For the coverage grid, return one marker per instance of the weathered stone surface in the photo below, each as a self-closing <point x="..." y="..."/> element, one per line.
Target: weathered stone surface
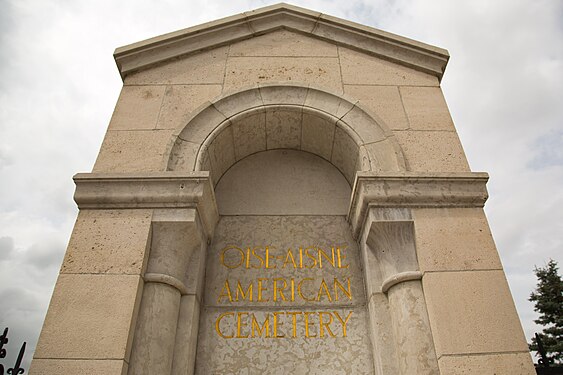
<point x="413" y="336"/>
<point x="286" y="355"/>
<point x="363" y="125"/>
<point x="137" y="108"/>
<point x="283" y="94"/>
<point x="337" y="31"/>
<point x="384" y="101"/>
<point x="76" y="366"/>
<point x="175" y="241"/>
<point x="382" y="337"/>
<point x="249" y="134"/>
<point x="426" y="108"/>
<point x="155" y="333"/>
<point x="472" y="312"/>
<point x="180" y="101"/>
<point x="90" y="316"/>
<point x="283" y="43"/>
<point x="109" y="241"/>
<point x="283" y="128"/>
<point x="236" y="101"/>
<point x="222" y="152"/>
<point x="361" y="69"/>
<point x="247" y="71"/>
<point x="345" y="154"/>
<point x="281" y="233"/>
<point x="205" y="120"/>
<point x="183" y="156"/>
<point x="340" y="352"/>
<point x="337" y="106"/>
<point x="186" y="336"/>
<point x="283" y="182"/>
<point x="392" y="244"/>
<point x="384" y="157"/>
<point x="408" y="189"/>
<point x="451" y="239"/>
<point x="133" y="151"/>
<point x="205" y="67"/>
<point x="497" y="363"/>
<point x="432" y="151"/>
<point x="317" y="135"/>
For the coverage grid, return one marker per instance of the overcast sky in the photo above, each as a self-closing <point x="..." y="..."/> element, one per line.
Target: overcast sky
<point x="59" y="85"/>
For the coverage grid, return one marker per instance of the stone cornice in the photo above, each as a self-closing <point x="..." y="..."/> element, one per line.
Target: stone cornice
<point x="404" y="51"/>
<point x="414" y="189"/>
<point x="149" y="190"/>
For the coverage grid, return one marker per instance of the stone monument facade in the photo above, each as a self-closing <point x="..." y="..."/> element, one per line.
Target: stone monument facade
<point x="281" y="192"/>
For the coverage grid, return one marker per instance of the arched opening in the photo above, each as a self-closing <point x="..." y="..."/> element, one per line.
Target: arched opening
<point x="285" y="117"/>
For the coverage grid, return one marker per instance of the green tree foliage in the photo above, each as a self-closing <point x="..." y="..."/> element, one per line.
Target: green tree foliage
<point x="548" y="300"/>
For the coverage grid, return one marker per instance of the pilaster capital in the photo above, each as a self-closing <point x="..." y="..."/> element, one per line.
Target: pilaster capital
<point x="414" y="189"/>
<point x="156" y="190"/>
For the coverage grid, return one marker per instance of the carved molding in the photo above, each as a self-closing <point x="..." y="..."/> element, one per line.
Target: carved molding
<point x="414" y="189"/>
<point x="404" y="51"/>
<point x="166" y="279"/>
<point x="149" y="190"/>
<point x="399" y="278"/>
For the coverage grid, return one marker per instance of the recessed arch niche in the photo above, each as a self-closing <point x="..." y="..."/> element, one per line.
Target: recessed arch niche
<point x="283" y="182"/>
<point x="333" y="127"/>
<point x="283" y="160"/>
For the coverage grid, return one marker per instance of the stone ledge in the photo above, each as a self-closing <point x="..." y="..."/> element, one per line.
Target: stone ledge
<point x="149" y="190"/>
<point x="400" y="278"/>
<point x="414" y="189"/>
<point x="407" y="52"/>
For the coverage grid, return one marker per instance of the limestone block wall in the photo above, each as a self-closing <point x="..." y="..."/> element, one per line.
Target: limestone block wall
<point x="407" y="158"/>
<point x="156" y="103"/>
<point x="474" y="321"/>
<point x="90" y="323"/>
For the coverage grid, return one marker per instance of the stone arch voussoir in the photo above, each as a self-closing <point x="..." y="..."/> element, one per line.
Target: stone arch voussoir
<point x="262" y="118"/>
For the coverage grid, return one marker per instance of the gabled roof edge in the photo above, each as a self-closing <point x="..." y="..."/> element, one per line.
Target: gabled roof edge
<point x="408" y="52"/>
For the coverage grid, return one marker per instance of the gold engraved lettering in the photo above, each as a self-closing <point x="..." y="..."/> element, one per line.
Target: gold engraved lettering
<point x="299" y="290"/>
<point x="292" y="287"/>
<point x="337" y="286"/>
<point x="340" y="257"/>
<point x="306" y="320"/>
<point x="268" y="264"/>
<point x="294" y="321"/>
<point x="265" y="328"/>
<point x="240" y="324"/>
<point x="226" y="292"/>
<point x="261" y="289"/>
<point x="321" y="254"/>
<point x="280" y="290"/>
<point x="231" y="266"/>
<point x="311" y="256"/>
<point x="324" y="288"/>
<point x="276" y="324"/>
<point x="323" y="325"/>
<point x="289" y="257"/>
<point x="257" y="257"/>
<point x="241" y="292"/>
<point x="343" y="322"/>
<point x="218" y="325"/>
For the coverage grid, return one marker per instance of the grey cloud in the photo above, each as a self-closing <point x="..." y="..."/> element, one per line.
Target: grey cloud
<point x="549" y="150"/>
<point x="45" y="254"/>
<point x="20" y="315"/>
<point x="6" y="247"/>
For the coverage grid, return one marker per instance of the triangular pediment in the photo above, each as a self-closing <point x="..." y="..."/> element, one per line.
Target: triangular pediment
<point x="247" y="25"/>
